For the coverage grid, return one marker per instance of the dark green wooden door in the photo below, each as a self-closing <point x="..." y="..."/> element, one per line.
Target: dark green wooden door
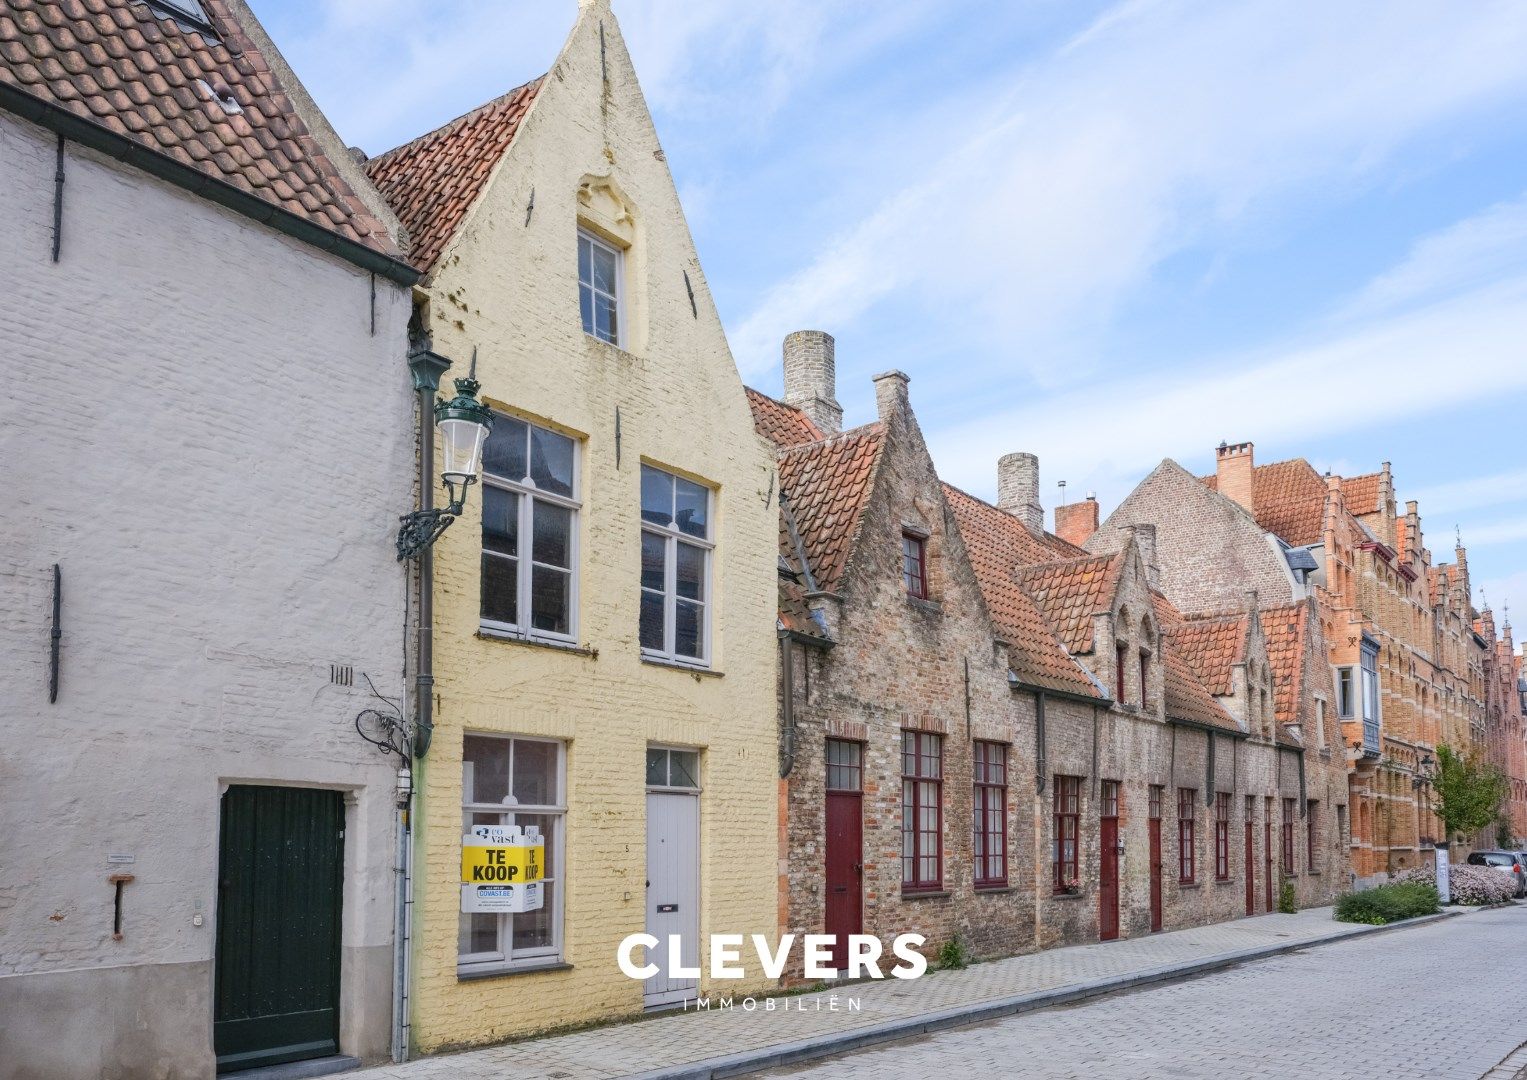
<point x="279" y="890"/>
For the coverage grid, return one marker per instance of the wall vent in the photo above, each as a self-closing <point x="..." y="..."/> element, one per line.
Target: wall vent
<point x="341" y="674"/>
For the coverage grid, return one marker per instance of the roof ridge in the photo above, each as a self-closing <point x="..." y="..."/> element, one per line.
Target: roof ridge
<point x="474" y="111"/>
<point x="872" y="428"/>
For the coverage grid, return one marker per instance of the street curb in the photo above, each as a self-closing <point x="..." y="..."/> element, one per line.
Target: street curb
<point x="767" y="1057"/>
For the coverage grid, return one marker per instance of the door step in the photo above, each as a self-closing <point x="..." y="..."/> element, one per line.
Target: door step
<point x="298" y="1070"/>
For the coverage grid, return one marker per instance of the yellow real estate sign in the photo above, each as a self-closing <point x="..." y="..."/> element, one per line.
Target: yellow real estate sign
<point x="484" y="864"/>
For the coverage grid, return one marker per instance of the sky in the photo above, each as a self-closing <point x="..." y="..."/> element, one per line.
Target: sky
<point x="1105" y="233"/>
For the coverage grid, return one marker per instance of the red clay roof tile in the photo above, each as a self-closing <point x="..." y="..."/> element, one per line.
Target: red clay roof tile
<point x="432" y="181"/>
<point x="827" y="484"/>
<point x="1070" y="593"/>
<point x="783" y="425"/>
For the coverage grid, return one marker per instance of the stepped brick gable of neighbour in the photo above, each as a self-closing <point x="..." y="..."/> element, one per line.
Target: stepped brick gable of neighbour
<point x="609" y="604"/>
<point x="206" y="99"/>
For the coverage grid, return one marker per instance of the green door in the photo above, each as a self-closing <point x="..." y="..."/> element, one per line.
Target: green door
<point x="279" y="887"/>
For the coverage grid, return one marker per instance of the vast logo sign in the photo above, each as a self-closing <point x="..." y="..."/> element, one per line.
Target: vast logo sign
<point x="864" y="952"/>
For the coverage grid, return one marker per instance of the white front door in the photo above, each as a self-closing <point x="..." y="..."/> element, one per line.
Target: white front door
<point x="673" y="891"/>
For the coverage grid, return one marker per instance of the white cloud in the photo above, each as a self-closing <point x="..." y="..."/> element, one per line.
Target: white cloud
<point x="1161" y="125"/>
<point x="1471" y="494"/>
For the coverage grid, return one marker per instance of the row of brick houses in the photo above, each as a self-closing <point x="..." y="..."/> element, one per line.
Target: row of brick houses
<point x="995" y="734"/>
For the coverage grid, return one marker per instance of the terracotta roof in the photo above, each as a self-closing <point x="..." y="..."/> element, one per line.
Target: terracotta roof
<point x="1070" y="593"/>
<point x="1186" y="697"/>
<point x="1284" y="629"/>
<point x="783" y="425"/>
<point x="998" y="544"/>
<point x="794" y="611"/>
<point x="117" y="66"/>
<point x="827" y="484"/>
<point x="1361" y="493"/>
<point x="1290" y="498"/>
<point x="1019" y="543"/>
<point x="432" y="182"/>
<point x="1211" y="646"/>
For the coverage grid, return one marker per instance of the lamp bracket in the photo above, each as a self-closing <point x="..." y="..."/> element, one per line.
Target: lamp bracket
<point x="420" y="529"/>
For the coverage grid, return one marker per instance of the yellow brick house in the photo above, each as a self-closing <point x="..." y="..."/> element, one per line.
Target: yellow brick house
<point x="604" y="626"/>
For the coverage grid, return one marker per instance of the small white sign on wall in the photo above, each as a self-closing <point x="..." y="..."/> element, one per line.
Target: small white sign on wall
<point x="509" y="899"/>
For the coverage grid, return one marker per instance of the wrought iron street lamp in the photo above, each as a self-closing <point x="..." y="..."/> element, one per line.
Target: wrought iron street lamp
<point x="463" y="423"/>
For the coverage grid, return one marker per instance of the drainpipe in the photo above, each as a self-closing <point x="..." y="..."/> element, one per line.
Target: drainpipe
<point x="787" y="708"/>
<point x="426" y="368"/>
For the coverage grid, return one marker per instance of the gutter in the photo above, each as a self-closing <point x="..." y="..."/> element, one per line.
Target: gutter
<point x="129" y="151"/>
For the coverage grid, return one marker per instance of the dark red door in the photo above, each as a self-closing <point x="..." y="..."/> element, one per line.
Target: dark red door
<point x="1155" y="821"/>
<point x="1251" y="871"/>
<point x="1108" y="863"/>
<point x="1267" y="851"/>
<point x="844" y="913"/>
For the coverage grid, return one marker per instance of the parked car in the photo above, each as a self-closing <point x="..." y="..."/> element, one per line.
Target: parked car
<point x="1507" y="862"/>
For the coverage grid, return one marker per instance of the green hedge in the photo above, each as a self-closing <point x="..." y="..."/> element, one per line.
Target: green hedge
<point x="1388" y="903"/>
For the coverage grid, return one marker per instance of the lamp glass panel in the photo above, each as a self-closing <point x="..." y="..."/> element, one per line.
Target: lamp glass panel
<point x="461" y="441"/>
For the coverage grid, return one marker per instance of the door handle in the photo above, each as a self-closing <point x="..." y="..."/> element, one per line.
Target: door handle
<point x="859" y="868"/>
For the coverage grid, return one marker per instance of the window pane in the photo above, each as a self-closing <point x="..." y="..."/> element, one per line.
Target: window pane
<point x="485" y="777"/>
<point x="657" y="767"/>
<point x="504" y="452"/>
<point x="693" y="501"/>
<point x="481" y="933"/>
<point x="689" y="574"/>
<point x="687" y="619"/>
<point x="546" y="823"/>
<point x="604" y="319"/>
<point x="604" y="269"/>
<point x="551" y="461"/>
<point x="586" y="307"/>
<point x="500" y="582"/>
<point x="683" y="768"/>
<point x="532" y="929"/>
<point x="500" y="521"/>
<point x="657" y="496"/>
<point x="651" y="630"/>
<point x="535" y="774"/>
<point x="585" y="260"/>
<point x="552" y="528"/>
<point x="550" y="600"/>
<point x="653" y="558"/>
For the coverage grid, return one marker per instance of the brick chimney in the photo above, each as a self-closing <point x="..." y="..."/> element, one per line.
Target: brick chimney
<point x="891" y="397"/>
<point x="1018" y="489"/>
<point x="1233" y="473"/>
<point x="1076" y="522"/>
<point x="811" y="378"/>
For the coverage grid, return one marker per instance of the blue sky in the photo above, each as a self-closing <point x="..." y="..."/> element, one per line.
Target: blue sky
<point x="1104" y="233"/>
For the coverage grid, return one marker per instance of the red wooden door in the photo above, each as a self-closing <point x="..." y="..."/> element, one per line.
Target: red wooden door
<point x="1108" y="863"/>
<point x="1155" y="821"/>
<point x="844" y="913"/>
<point x="1251" y="872"/>
<point x="1267" y="850"/>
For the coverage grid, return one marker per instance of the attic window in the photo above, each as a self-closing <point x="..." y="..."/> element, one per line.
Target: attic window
<point x="188" y="14"/>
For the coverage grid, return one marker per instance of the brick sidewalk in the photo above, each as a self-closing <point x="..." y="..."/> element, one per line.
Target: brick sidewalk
<point x="727" y="1041"/>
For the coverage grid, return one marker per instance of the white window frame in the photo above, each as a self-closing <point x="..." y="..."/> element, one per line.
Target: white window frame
<point x="620" y="289"/>
<point x="672" y="535"/>
<point x="499" y="960"/>
<point x="670" y="749"/>
<point x="1349" y="696"/>
<point x="529" y="494"/>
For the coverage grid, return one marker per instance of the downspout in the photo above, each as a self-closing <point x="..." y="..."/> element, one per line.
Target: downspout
<point x="1039" y="742"/>
<point x="426" y="368"/>
<point x="787" y="704"/>
<point x="1209" y="771"/>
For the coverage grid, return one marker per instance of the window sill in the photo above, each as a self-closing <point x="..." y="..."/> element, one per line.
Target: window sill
<point x="518" y="969"/>
<point x="993" y="890"/>
<point x="488" y="633"/>
<point x="932" y="607"/>
<point x="1080" y="894"/>
<point x="1190" y="884"/>
<point x="690" y="669"/>
<point x="925" y="894"/>
<point x="1224" y="881"/>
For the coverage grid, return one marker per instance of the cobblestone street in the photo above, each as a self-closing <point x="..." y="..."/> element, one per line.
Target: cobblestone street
<point x="1443" y="1000"/>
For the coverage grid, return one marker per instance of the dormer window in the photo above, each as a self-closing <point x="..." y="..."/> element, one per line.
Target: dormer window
<point x="600" y="273"/>
<point x="914" y="564"/>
